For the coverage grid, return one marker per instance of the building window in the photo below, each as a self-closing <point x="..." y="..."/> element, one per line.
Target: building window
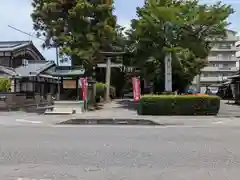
<point x="213" y="65"/>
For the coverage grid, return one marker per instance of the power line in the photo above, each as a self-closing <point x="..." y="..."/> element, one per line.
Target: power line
<point x="23" y="32"/>
<point x="16" y="29"/>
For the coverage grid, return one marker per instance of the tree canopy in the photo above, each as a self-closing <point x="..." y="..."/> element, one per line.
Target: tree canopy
<point x="84" y="28"/>
<point x="183" y="28"/>
<point x="80" y="28"/>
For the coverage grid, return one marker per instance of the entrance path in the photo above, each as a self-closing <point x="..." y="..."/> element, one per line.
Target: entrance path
<point x="229" y="109"/>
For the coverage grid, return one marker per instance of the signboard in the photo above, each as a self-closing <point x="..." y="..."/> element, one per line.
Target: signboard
<point x="69" y="84"/>
<point x="84" y="88"/>
<point x="136" y="89"/>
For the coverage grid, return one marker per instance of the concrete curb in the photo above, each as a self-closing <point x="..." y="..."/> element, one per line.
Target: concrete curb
<point x="57" y="113"/>
<point x="227" y="116"/>
<point x="114" y="121"/>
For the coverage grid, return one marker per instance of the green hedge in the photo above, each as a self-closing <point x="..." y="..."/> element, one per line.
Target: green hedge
<point x="178" y="105"/>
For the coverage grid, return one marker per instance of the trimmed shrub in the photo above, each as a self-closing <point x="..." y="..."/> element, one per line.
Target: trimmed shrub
<point x="178" y="105"/>
<point x="101" y="88"/>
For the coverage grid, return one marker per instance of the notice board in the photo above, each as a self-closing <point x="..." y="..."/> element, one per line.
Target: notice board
<point x="69" y="84"/>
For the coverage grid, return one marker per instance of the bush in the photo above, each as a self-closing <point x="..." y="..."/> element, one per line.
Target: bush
<point x="178" y="105"/>
<point x="168" y="93"/>
<point x="101" y="88"/>
<point x="5" y="84"/>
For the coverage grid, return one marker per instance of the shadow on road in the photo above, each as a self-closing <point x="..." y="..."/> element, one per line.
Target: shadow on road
<point x="127" y="104"/>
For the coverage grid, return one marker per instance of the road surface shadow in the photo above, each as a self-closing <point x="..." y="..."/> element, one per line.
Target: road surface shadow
<point x="113" y="121"/>
<point x="127" y="104"/>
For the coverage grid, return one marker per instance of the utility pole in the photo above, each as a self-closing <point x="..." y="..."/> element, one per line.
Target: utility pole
<point x="198" y="79"/>
<point x="59" y="79"/>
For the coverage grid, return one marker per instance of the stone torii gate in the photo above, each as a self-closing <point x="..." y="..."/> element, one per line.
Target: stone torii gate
<point x="109" y="56"/>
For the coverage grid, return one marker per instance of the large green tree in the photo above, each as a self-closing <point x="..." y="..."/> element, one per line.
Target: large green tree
<point x="80" y="28"/>
<point x="182" y="28"/>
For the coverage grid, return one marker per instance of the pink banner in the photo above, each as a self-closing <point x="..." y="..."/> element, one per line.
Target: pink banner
<point x="136" y="89"/>
<point x="84" y="88"/>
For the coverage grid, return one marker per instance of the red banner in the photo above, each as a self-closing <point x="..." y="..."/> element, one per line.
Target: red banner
<point x="136" y="89"/>
<point x="84" y="88"/>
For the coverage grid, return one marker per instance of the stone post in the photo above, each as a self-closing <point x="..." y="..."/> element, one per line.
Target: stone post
<point x="37" y="98"/>
<point x="94" y="92"/>
<point x="49" y="99"/>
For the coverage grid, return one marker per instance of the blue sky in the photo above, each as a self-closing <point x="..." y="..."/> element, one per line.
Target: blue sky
<point x="17" y="13"/>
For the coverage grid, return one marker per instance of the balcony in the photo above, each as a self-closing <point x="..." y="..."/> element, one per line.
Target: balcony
<point x="221" y="59"/>
<point x="225" y="49"/>
<point x="216" y="79"/>
<point x="220" y="69"/>
<point x="227" y="39"/>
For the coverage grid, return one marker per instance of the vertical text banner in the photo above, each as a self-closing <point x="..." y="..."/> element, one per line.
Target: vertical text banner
<point x="136" y="89"/>
<point x="84" y="88"/>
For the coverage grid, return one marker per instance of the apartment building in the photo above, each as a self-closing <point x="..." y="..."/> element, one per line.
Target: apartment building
<point x="222" y="62"/>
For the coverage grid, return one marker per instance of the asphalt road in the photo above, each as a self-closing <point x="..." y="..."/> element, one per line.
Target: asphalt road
<point x="119" y="153"/>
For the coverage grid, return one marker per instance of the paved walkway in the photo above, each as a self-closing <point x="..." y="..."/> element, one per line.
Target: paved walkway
<point x="229" y="110"/>
<point x="126" y="109"/>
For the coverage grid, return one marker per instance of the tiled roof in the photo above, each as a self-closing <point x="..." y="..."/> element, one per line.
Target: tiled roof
<point x="8" y="70"/>
<point x="67" y="71"/>
<point x="75" y="72"/>
<point x="33" y="68"/>
<point x="13" y="45"/>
